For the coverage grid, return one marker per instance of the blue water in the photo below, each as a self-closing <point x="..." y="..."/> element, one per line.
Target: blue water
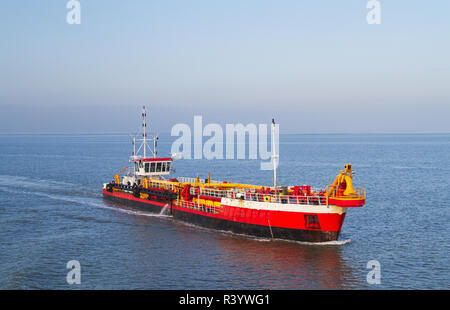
<point x="51" y="212"/>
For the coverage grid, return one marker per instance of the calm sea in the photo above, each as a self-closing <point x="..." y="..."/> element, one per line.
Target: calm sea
<point x="52" y="211"/>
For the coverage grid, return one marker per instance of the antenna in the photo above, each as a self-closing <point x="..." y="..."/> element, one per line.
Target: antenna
<point x="144" y="139"/>
<point x="155" y="144"/>
<point x="134" y="147"/>
<point x="144" y="133"/>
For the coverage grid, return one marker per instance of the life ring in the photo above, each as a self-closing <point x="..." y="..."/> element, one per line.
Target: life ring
<point x="266" y="198"/>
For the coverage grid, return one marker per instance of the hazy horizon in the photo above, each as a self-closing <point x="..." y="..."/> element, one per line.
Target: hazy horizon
<point x="314" y="66"/>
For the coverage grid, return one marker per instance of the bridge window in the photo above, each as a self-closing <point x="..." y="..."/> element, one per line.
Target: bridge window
<point x="158" y="167"/>
<point x="153" y="167"/>
<point x="147" y="167"/>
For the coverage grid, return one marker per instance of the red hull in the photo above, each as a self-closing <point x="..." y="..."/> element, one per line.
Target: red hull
<point x="303" y="226"/>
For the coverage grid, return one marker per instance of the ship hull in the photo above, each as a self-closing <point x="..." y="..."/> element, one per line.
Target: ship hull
<point x="242" y="225"/>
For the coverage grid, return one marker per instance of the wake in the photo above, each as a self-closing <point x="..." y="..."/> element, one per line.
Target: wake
<point x="67" y="192"/>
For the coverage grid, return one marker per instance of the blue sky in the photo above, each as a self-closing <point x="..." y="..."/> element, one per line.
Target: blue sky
<point x="316" y="66"/>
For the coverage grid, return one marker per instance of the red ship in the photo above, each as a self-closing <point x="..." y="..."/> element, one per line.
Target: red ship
<point x="298" y="213"/>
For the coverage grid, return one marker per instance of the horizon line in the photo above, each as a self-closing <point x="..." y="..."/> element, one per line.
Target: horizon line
<point x="281" y="133"/>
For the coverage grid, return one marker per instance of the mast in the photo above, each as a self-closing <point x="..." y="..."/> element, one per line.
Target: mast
<point x="155" y="143"/>
<point x="274" y="156"/>
<point x="134" y="155"/>
<point x="144" y="139"/>
<point x="144" y="133"/>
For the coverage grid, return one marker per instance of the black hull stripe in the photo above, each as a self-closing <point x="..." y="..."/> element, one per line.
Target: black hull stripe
<point x="235" y="227"/>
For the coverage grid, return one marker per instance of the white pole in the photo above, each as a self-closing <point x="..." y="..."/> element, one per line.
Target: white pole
<point x="134" y="155"/>
<point x="274" y="157"/>
<point x="144" y="134"/>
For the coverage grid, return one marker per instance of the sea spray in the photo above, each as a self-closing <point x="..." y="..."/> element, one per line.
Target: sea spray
<point x="164" y="210"/>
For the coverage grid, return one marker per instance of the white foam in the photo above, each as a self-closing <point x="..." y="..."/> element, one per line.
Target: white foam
<point x="335" y="242"/>
<point x="137" y="213"/>
<point x="26" y="182"/>
<point x="164" y="210"/>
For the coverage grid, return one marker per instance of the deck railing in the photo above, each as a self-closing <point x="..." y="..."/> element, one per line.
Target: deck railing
<point x="194" y="180"/>
<point x="250" y="195"/>
<point x="198" y="206"/>
<point x="211" y="192"/>
<point x="259" y="197"/>
<point x="156" y="184"/>
<point x="360" y="192"/>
